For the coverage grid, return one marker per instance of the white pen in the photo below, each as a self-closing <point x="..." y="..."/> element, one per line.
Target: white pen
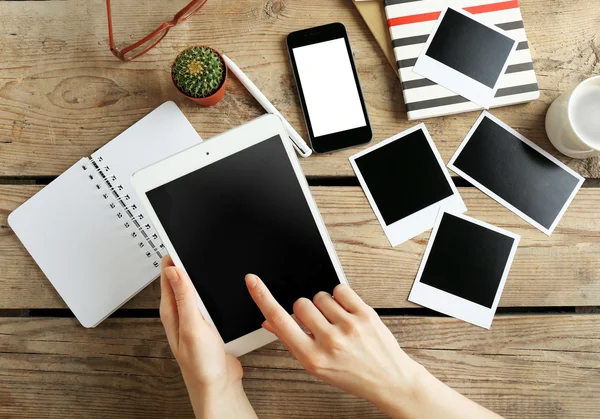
<point x="299" y="144"/>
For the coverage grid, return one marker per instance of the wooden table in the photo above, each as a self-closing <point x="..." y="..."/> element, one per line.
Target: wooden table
<point x="62" y="95"/>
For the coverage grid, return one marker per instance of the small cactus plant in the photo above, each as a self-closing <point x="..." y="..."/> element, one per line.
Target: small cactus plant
<point x="199" y="72"/>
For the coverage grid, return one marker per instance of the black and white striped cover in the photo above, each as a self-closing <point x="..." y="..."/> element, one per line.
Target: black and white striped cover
<point x="411" y="23"/>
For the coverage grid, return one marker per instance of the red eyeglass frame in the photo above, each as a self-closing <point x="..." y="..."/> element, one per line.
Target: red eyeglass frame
<point x="164" y="28"/>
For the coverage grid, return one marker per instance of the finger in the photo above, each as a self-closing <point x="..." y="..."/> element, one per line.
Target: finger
<point x="266" y="325"/>
<point x="330" y="308"/>
<point x="348" y="299"/>
<point x="302" y="325"/>
<point x="311" y="317"/>
<point x="168" y="307"/>
<point x="186" y="299"/>
<point x="281" y="322"/>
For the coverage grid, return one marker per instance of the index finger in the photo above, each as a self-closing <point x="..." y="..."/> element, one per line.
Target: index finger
<point x="284" y="326"/>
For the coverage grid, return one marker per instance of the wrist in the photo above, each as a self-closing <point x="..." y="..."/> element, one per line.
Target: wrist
<point x="214" y="401"/>
<point x="401" y="398"/>
<point x="427" y="397"/>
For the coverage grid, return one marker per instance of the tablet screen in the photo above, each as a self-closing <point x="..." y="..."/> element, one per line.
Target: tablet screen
<point x="245" y="214"/>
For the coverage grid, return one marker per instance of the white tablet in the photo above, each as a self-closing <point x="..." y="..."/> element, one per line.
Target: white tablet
<point x="240" y="204"/>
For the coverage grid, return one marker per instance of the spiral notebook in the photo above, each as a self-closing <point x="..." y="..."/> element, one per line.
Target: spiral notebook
<point x="412" y="21"/>
<point x="86" y="230"/>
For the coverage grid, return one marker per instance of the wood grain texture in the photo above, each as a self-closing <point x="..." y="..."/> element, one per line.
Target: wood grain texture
<point x="63" y="95"/>
<point x="561" y="270"/>
<point x="524" y="367"/>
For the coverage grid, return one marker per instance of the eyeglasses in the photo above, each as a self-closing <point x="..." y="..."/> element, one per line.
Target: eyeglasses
<point x="147" y="43"/>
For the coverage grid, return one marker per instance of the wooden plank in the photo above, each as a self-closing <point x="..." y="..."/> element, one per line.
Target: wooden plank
<point x="561" y="270"/>
<point x="524" y="367"/>
<point x="62" y="94"/>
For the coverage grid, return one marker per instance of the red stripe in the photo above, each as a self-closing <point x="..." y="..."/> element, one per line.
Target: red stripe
<point x="404" y="20"/>
<point x="494" y="7"/>
<point x="424" y="17"/>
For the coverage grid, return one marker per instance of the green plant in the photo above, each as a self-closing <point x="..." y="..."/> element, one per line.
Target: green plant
<point x="198" y="72"/>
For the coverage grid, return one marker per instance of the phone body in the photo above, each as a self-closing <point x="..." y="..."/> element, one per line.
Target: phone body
<point x="329" y="89"/>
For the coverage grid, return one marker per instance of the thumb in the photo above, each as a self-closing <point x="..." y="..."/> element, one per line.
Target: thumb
<point x="185" y="297"/>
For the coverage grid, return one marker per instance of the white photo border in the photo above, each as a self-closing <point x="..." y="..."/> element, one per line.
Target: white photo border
<point x="497" y="198"/>
<point x="414" y="224"/>
<point x="454" y="80"/>
<point x="453" y="305"/>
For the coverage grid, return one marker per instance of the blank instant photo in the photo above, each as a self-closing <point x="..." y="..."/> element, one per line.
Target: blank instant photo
<point x="466" y="56"/>
<point x="515" y="172"/>
<point x="464" y="268"/>
<point x="406" y="183"/>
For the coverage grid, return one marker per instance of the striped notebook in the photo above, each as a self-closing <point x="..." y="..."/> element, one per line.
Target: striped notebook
<point x="411" y="23"/>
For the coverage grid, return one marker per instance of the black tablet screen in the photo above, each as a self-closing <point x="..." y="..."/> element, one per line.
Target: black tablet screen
<point x="404" y="177"/>
<point x="467" y="260"/>
<point x="470" y="48"/>
<point x="516" y="172"/>
<point x="245" y="214"/>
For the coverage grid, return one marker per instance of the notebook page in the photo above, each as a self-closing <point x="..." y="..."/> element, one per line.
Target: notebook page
<point x="163" y="132"/>
<point x="80" y="245"/>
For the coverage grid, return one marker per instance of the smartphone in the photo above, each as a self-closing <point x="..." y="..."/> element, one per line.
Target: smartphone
<point x="327" y="82"/>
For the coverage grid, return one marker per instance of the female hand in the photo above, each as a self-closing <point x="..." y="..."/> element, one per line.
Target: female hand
<point x="349" y="347"/>
<point x="213" y="378"/>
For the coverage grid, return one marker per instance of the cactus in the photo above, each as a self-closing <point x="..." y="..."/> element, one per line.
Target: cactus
<point x="198" y="72"/>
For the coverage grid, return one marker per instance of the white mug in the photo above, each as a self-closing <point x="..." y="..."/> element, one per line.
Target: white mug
<point x="573" y="120"/>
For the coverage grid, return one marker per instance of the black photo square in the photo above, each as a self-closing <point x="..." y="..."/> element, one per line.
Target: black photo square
<point x="464" y="268"/>
<point x="517" y="173"/>
<point x="404" y="176"/>
<point x="467" y="260"/>
<point x="466" y="55"/>
<point x="470" y="48"/>
<point x="406" y="183"/>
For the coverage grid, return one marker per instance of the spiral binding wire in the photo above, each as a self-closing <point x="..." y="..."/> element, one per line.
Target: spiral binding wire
<point x="133" y="218"/>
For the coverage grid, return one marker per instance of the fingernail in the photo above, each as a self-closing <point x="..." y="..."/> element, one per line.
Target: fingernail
<point x="172" y="275"/>
<point x="251" y="280"/>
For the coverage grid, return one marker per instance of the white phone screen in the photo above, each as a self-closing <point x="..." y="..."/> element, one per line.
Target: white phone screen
<point x="329" y="88"/>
